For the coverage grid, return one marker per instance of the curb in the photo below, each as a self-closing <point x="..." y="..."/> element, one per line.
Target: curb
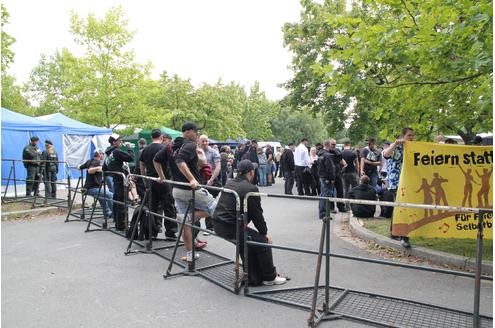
<point x="438" y="257"/>
<point x="34" y="211"/>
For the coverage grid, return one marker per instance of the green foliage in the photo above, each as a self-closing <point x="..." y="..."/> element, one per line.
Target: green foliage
<point x="424" y="64"/>
<point x="105" y="87"/>
<point x="7" y="41"/>
<point x="12" y="97"/>
<point x="291" y="126"/>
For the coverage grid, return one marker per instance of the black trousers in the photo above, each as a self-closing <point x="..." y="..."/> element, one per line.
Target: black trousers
<point x="289" y="182"/>
<point x="32" y="179"/>
<point x="303" y="181"/>
<point x="260" y="259"/>
<point x="162" y="201"/>
<point x="339" y="187"/>
<point x="50" y="180"/>
<point x="118" y="209"/>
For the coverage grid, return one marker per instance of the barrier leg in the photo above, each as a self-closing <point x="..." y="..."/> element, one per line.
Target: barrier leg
<point x="169" y="269"/>
<point x="135" y="224"/>
<point x="311" y="319"/>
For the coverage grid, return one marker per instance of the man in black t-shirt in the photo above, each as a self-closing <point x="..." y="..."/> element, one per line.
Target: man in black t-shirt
<point x="185" y="169"/>
<point x="93" y="183"/>
<point x="161" y="193"/>
<point x="349" y="172"/>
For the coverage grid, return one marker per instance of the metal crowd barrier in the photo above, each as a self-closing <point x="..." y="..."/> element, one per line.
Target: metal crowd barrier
<point x="332" y="303"/>
<point x="211" y="266"/>
<point x="37" y="199"/>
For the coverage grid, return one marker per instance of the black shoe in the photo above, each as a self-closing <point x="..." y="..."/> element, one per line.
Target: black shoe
<point x="170" y="236"/>
<point x="343" y="210"/>
<point x="404" y="241"/>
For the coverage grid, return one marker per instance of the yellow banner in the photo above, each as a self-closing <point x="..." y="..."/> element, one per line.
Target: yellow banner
<point x="444" y="174"/>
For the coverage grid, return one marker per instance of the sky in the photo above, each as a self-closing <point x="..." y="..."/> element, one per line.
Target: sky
<point x="204" y="40"/>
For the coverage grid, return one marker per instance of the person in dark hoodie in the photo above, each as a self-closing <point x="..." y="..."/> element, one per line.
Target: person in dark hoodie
<point x="114" y="161"/>
<point x="366" y="192"/>
<point x="326" y="172"/>
<point x="261" y="268"/>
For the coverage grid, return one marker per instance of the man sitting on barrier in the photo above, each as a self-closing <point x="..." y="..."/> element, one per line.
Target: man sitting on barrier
<point x="366" y="192"/>
<point x="261" y="268"/>
<point x="93" y="183"/>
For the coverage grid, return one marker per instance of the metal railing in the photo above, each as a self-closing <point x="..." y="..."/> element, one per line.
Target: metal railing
<point x="12" y="179"/>
<point x="326" y="314"/>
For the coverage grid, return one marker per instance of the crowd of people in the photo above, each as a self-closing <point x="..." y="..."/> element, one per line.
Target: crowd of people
<point x="368" y="173"/>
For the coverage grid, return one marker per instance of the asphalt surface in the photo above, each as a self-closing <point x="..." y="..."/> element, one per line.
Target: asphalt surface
<point x="56" y="275"/>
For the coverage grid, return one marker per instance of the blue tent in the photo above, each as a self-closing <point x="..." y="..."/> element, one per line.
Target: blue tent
<point x="16" y="131"/>
<point x="73" y="140"/>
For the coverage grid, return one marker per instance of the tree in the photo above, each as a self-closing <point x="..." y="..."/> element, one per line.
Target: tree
<point x="291" y="126"/>
<point x="258" y="115"/>
<point x="424" y="64"/>
<point x="12" y="97"/>
<point x="104" y="87"/>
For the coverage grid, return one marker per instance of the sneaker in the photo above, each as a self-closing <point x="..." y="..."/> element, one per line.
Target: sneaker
<point x="404" y="241"/>
<point x="188" y="257"/>
<point x="206" y="233"/>
<point x="277" y="281"/>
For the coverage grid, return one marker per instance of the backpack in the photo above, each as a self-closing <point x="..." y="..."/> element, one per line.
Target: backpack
<point x="143" y="229"/>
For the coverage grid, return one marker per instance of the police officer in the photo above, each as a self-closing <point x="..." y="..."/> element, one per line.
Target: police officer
<point x="31" y="156"/>
<point x="49" y="169"/>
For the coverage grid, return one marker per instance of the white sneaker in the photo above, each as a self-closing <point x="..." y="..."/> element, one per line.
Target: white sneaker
<point x="188" y="256"/>
<point x="277" y="281"/>
<point x="206" y="233"/>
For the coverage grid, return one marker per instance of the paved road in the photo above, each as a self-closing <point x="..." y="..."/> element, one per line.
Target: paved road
<point x="55" y="275"/>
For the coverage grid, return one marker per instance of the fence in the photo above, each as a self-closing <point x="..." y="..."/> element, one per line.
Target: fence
<point x="323" y="301"/>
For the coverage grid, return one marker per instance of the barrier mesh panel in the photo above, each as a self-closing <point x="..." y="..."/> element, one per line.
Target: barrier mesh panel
<point x="205" y="259"/>
<point x="376" y="309"/>
<point x="223" y="275"/>
<point x="402" y="313"/>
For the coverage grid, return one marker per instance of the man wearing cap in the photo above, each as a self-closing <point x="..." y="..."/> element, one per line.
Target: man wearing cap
<point x="93" y="183"/>
<point x="261" y="269"/>
<point x="31" y="156"/>
<point x="49" y="169"/>
<point x="252" y="155"/>
<point x="161" y="201"/>
<point x="370" y="160"/>
<point x="185" y="168"/>
<point x="301" y="160"/>
<point x="114" y="161"/>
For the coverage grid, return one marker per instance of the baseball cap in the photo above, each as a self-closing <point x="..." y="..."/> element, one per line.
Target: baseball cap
<point x="189" y="126"/>
<point x="245" y="166"/>
<point x="156" y="133"/>
<point x="47" y="141"/>
<point x="114" y="137"/>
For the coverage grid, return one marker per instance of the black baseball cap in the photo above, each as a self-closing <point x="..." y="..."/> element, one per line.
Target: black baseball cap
<point x="47" y="141"/>
<point x="245" y="166"/>
<point x="113" y="138"/>
<point x="189" y="126"/>
<point x="34" y="138"/>
<point x="156" y="133"/>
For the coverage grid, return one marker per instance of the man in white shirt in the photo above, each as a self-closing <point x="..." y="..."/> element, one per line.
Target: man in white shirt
<point x="302" y="161"/>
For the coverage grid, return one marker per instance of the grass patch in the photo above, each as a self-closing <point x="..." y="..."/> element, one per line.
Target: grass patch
<point x="463" y="247"/>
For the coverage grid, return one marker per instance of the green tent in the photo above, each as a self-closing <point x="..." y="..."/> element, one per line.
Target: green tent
<point x="146" y="134"/>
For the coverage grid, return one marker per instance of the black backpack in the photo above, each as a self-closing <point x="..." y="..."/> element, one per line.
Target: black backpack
<point x="145" y="221"/>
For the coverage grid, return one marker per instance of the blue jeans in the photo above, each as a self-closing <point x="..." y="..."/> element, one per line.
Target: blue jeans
<point x="106" y="204"/>
<point x="109" y="183"/>
<point x="327" y="190"/>
<point x="262" y="175"/>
